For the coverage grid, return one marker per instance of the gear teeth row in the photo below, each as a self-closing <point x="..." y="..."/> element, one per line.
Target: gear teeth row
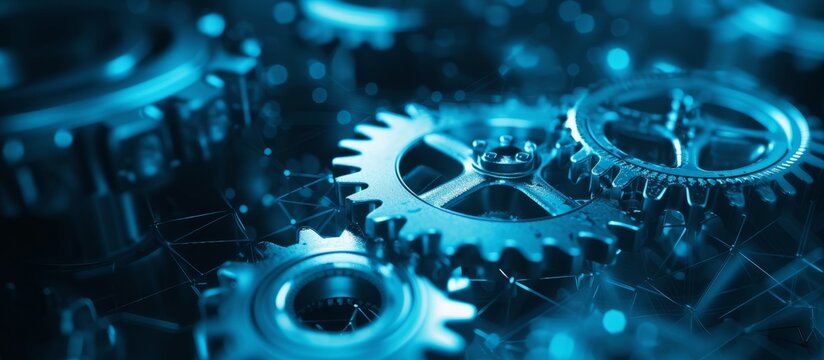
<point x="614" y="170"/>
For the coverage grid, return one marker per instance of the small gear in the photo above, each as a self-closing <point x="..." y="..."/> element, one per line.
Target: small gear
<point x="699" y="131"/>
<point x="289" y="305"/>
<point x="491" y="197"/>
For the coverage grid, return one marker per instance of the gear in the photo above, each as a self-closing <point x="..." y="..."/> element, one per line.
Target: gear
<point x="355" y="23"/>
<point x="705" y="131"/>
<point x="492" y="199"/>
<point x="286" y="306"/>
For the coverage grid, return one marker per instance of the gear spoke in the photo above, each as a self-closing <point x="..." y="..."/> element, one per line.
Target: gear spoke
<point x="547" y="197"/>
<point x="456" y="149"/>
<point x="455" y="189"/>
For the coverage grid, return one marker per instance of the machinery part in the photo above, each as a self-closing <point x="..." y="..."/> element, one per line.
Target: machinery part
<point x="479" y="183"/>
<point x="699" y="131"/>
<point x="113" y="105"/>
<point x="284" y="306"/>
<point x="357" y="22"/>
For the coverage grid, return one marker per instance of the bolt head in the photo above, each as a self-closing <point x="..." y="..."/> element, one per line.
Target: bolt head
<point x="523" y="156"/>
<point x="505" y="140"/>
<point x="490" y="156"/>
<point x="478" y="145"/>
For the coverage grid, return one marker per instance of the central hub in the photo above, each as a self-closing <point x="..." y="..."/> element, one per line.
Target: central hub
<point x="504" y="157"/>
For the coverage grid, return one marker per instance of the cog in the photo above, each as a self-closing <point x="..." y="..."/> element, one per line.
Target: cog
<point x="706" y="131"/>
<point x="285" y="306"/>
<point x="357" y="22"/>
<point x="479" y="183"/>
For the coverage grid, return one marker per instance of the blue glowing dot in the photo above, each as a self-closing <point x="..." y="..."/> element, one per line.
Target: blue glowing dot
<point x="619" y="27"/>
<point x="229" y="193"/>
<point x="661" y="7"/>
<point x="243" y="209"/>
<point x="13" y="150"/>
<point x="618" y="59"/>
<point x="680" y="249"/>
<point x="371" y="89"/>
<point x="437" y="96"/>
<point x="344" y="117"/>
<point x="211" y="24"/>
<point x="153" y="112"/>
<point x="215" y="81"/>
<point x="250" y="47"/>
<point x="569" y="10"/>
<point x="63" y="138"/>
<point x="287" y="173"/>
<point x="584" y="23"/>
<point x="573" y="69"/>
<point x="267" y="151"/>
<point x="277" y="74"/>
<point x="460" y="95"/>
<point x="267" y="200"/>
<point x="284" y="12"/>
<point x="497" y="15"/>
<point x="293" y="221"/>
<point x="316" y="69"/>
<point x="614" y="321"/>
<point x="319" y="95"/>
<point x="561" y="346"/>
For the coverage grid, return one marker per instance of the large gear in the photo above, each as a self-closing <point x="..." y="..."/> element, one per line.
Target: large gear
<point x="276" y="308"/>
<point x="706" y="131"/>
<point x="490" y="200"/>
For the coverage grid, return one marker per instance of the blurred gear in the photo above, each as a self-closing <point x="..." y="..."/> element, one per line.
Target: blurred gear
<point x="326" y="298"/>
<point x="147" y="90"/>
<point x="699" y="131"/>
<point x="480" y="182"/>
<point x="357" y="22"/>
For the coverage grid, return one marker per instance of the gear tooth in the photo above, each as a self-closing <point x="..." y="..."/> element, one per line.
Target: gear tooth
<point x="392" y="119"/>
<point x="766" y="193"/>
<point x="623" y="178"/>
<point x="785" y="187"/>
<point x="802" y="175"/>
<point x="307" y="234"/>
<point x="654" y="190"/>
<point x="352" y="144"/>
<point x="382" y="222"/>
<point x="361" y="197"/>
<point x="815" y="161"/>
<point x="596" y="247"/>
<point x="354" y="161"/>
<point x="370" y="131"/>
<point x="580" y="155"/>
<point x="561" y="256"/>
<point x="602" y="166"/>
<point x="416" y="110"/>
<point x="356" y="178"/>
<point x="697" y="195"/>
<point x="735" y="196"/>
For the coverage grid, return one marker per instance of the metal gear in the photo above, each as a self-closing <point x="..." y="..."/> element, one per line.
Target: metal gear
<point x="488" y="200"/>
<point x="355" y="23"/>
<point x="276" y="308"/>
<point x="707" y="131"/>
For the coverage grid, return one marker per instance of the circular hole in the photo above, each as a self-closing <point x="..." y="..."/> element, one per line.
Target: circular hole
<point x="338" y="301"/>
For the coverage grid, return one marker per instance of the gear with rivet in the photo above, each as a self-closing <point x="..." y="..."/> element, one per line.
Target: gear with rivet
<point x="482" y="183"/>
<point x="702" y="132"/>
<point x="327" y="298"/>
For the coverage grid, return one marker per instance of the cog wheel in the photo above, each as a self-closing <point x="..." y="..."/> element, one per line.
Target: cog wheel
<point x="357" y="22"/>
<point x="484" y="182"/>
<point x="287" y="306"/>
<point x="698" y="131"/>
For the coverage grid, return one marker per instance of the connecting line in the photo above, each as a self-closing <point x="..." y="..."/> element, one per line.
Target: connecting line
<point x="805" y="232"/>
<point x="792" y="274"/>
<point x="202" y="227"/>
